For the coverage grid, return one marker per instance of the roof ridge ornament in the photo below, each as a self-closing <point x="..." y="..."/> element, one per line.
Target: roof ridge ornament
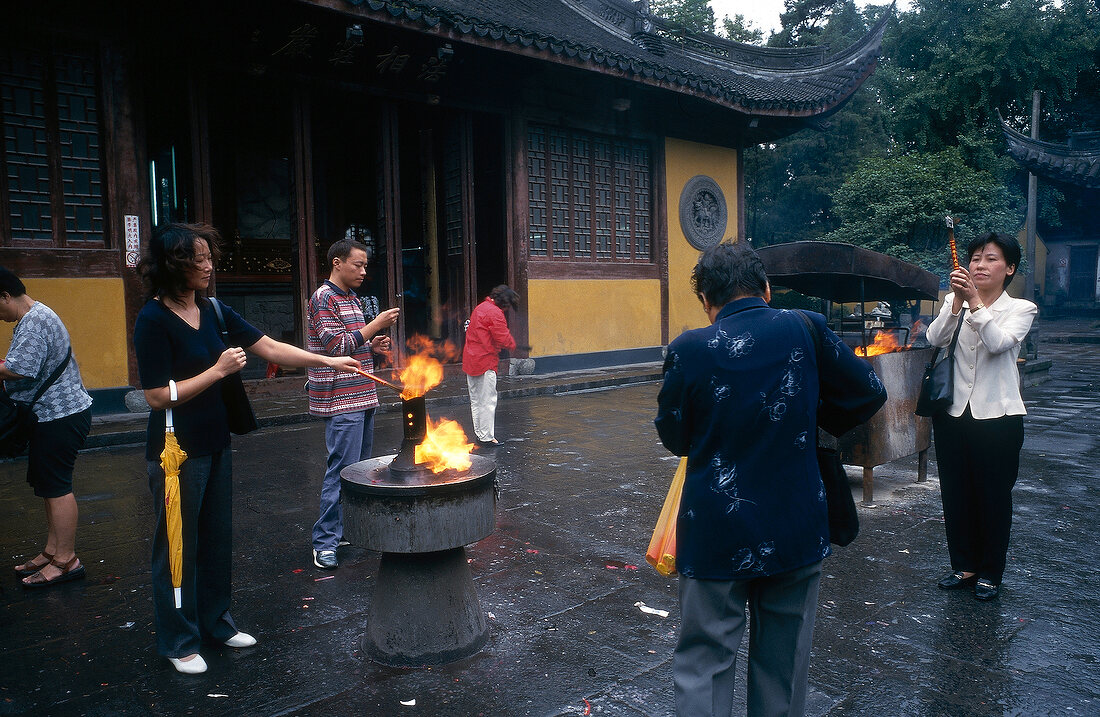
<point x="644" y="35"/>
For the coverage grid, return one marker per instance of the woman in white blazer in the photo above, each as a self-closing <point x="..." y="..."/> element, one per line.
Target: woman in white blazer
<point x="978" y="439"/>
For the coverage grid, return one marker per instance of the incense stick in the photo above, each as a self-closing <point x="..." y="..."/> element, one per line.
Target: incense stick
<point x="374" y="378"/>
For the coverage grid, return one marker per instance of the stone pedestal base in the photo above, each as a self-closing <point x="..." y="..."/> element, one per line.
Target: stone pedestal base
<point x="424" y="610"/>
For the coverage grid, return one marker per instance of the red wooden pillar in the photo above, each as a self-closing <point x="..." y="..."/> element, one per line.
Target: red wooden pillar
<point x="515" y="133"/>
<point x="390" y="219"/>
<point x="126" y="189"/>
<point x="305" y="232"/>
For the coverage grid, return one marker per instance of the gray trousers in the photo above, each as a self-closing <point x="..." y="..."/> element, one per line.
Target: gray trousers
<point x="781" y="611"/>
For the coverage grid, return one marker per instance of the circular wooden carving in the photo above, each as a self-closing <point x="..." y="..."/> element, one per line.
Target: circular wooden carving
<point x="703" y="213"/>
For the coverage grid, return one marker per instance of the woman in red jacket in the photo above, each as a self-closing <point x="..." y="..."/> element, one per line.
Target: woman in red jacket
<point x="486" y="334"/>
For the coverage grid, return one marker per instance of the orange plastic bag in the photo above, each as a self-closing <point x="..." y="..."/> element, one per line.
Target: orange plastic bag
<point x="662" y="546"/>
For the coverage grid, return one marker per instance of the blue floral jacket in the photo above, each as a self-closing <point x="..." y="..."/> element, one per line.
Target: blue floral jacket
<point x="741" y="399"/>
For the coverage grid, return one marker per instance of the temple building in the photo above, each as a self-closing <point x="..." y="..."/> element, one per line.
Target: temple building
<point x="1073" y="249"/>
<point x="581" y="151"/>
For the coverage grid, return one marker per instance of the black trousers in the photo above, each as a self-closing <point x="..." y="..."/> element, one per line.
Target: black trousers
<point x="978" y="463"/>
<point x="206" y="507"/>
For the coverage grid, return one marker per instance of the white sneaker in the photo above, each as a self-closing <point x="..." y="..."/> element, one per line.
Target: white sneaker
<point x="195" y="666"/>
<point x="241" y="639"/>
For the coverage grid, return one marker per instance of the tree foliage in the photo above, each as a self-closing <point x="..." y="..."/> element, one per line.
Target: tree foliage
<point x="921" y="138"/>
<point x="911" y="195"/>
<point x="950" y="64"/>
<point x="738" y="29"/>
<point x="694" y="15"/>
<point x="789" y="182"/>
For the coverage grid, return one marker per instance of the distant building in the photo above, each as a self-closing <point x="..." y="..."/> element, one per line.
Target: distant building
<point x="1073" y="249"/>
<point x="582" y="151"/>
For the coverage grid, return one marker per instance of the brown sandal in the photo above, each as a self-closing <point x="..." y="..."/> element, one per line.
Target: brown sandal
<point x="30" y="567"/>
<point x="68" y="572"/>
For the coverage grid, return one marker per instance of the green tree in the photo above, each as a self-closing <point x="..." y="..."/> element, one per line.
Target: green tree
<point x="693" y="15"/>
<point x="896" y="205"/>
<point x="739" y="29"/>
<point x="789" y="183"/>
<point x="950" y="64"/>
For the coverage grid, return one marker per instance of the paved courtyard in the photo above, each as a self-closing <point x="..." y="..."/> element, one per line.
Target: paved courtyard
<point x="581" y="478"/>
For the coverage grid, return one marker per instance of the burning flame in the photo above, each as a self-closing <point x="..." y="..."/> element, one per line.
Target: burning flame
<point x="886" y="343"/>
<point x="420" y="374"/>
<point x="444" y="447"/>
<point x="423" y="370"/>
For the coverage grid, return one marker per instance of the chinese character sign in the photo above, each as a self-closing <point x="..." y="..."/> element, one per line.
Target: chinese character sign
<point x="133" y="240"/>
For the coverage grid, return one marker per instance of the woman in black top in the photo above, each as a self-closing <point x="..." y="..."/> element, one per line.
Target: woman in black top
<point x="182" y="360"/>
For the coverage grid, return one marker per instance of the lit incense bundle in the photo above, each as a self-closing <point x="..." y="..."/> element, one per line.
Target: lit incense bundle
<point x="951" y="241"/>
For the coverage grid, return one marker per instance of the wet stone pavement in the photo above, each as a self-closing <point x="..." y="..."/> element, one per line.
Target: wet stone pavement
<point x="581" y="477"/>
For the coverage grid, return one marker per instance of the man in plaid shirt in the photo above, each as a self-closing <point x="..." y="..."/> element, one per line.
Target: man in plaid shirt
<point x="346" y="401"/>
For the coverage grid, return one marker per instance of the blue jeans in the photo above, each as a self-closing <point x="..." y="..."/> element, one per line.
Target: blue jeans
<point x="349" y="438"/>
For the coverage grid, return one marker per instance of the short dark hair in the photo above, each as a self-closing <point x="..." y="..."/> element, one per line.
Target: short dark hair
<point x="504" y="296"/>
<point x="725" y="271"/>
<point x="342" y="248"/>
<point x="170" y="254"/>
<point x="10" y="283"/>
<point x="1008" y="245"/>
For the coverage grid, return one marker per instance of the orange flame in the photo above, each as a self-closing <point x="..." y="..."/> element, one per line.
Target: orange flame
<point x="419" y="375"/>
<point x="423" y="370"/>
<point x="884" y="343"/>
<point x="444" y="447"/>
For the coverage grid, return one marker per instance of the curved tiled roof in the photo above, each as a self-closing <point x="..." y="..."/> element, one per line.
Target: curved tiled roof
<point x="1054" y="161"/>
<point x="616" y="37"/>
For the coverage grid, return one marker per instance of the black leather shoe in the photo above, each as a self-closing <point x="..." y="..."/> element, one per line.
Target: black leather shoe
<point x="956" y="581"/>
<point x="985" y="590"/>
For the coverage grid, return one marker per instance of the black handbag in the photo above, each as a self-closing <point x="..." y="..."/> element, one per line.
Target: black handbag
<point x="843" y="518"/>
<point x="937" y="386"/>
<point x="237" y="408"/>
<point x="17" y="419"/>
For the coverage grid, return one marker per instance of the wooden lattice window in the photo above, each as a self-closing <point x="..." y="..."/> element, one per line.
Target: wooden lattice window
<point x="588" y="197"/>
<point x="452" y="198"/>
<point x="50" y="158"/>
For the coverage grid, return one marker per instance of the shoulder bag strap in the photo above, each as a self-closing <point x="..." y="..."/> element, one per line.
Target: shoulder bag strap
<point x="955" y="337"/>
<point x="53" y="377"/>
<point x="950" y="355"/>
<point x="814" y="335"/>
<point x="214" y="302"/>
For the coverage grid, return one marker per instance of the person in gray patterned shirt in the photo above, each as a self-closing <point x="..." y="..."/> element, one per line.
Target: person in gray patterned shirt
<point x="39" y="346"/>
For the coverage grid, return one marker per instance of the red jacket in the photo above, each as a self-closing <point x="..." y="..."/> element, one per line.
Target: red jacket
<point x="486" y="336"/>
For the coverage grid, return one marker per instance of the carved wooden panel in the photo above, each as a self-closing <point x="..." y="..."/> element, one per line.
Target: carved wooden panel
<point x="452" y="194"/>
<point x="78" y="144"/>
<point x="536" y="190"/>
<point x="53" y="174"/>
<point x="589" y="197"/>
<point x="26" y="141"/>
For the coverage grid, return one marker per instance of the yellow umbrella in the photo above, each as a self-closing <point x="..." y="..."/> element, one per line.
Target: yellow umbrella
<point x="171" y="458"/>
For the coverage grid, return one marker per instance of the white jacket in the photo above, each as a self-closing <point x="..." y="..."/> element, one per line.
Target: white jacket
<point x="986" y="376"/>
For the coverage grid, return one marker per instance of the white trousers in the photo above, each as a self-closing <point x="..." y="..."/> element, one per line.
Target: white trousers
<point x="483" y="404"/>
